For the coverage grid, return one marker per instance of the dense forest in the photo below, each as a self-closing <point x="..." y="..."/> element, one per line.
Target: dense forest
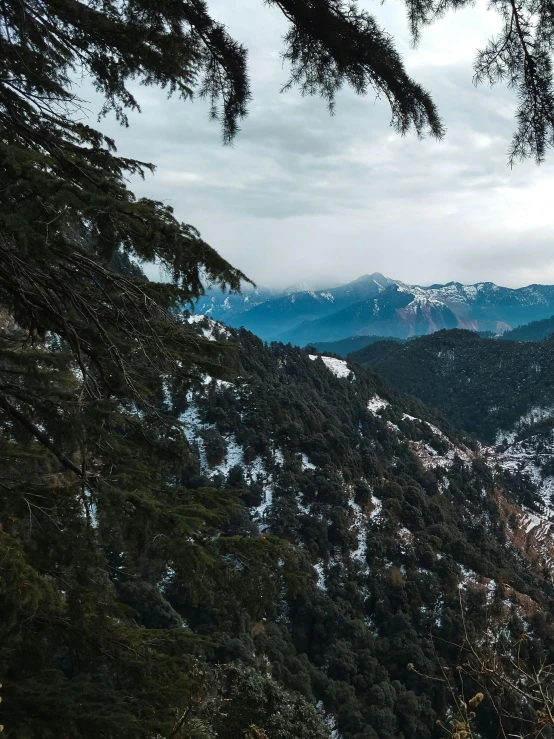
<point x="484" y="386"/>
<point x="534" y="331"/>
<point x="297" y="576"/>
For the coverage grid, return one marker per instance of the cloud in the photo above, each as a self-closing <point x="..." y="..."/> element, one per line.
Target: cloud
<point x="305" y="195"/>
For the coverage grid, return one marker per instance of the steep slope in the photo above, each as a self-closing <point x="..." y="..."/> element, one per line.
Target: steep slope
<point x="534" y="331"/>
<point x="313" y="567"/>
<point x="503" y="393"/>
<point x="484" y="386"/>
<point x="397" y="514"/>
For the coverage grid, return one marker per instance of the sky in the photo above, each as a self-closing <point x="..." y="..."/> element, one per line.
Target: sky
<point x="305" y="196"/>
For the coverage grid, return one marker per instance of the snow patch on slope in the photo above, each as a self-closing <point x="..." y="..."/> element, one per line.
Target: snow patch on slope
<point x="306" y="464"/>
<point x="359" y="526"/>
<point x="376" y="404"/>
<point x="211" y="330"/>
<point x="533" y="415"/>
<point x="337" y="366"/>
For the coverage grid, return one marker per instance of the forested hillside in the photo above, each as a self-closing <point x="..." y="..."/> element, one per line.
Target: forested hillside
<point x="297" y="575"/>
<point x="534" y="331"/>
<point x="485" y="386"/>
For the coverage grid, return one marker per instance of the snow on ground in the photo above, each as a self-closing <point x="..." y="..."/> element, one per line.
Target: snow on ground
<point x="407" y="417"/>
<point x="255" y="471"/>
<point x="533" y="415"/>
<point x="319" y="568"/>
<point x="212" y="330"/>
<point x="278" y="457"/>
<point x="528" y="456"/>
<point x="359" y="527"/>
<point x="192" y="426"/>
<point x="329" y="720"/>
<point x="431" y="459"/>
<point x="233" y="457"/>
<point x="377" y="507"/>
<point x="405" y="535"/>
<point x="206" y="379"/>
<point x="376" y="403"/>
<point x="166" y="579"/>
<point x="301" y="506"/>
<point x="306" y="464"/>
<point x="437" y="432"/>
<point x="258" y="513"/>
<point x="471" y="579"/>
<point x="337" y="366"/>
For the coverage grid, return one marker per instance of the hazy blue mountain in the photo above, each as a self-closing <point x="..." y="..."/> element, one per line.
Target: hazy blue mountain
<point x="396" y="312"/>
<point x="404" y="311"/>
<point x="269" y="313"/>
<point x="227" y="307"/>
<point x="224" y="306"/>
<point x="374" y="305"/>
<point x="270" y="319"/>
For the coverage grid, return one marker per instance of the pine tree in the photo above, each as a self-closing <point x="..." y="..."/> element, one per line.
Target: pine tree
<point x="520" y="55"/>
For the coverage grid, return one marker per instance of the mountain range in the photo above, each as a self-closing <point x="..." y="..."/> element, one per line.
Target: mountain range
<point x="375" y="305"/>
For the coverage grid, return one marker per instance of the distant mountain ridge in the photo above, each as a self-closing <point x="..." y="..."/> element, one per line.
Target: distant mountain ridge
<point x="378" y="306"/>
<point x="345" y="347"/>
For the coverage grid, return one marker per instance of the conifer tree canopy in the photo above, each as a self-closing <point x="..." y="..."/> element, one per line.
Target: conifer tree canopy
<point x="520" y="55"/>
<point x="101" y="505"/>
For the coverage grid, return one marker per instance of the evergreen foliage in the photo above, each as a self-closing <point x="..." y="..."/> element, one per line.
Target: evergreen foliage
<point x="95" y="507"/>
<point x="481" y="385"/>
<point x="165" y="604"/>
<point x="534" y="331"/>
<point x="519" y="55"/>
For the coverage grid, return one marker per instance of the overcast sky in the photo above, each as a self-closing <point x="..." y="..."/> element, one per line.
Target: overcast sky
<point x="305" y="196"/>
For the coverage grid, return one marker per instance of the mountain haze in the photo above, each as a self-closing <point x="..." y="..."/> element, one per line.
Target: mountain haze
<point x="270" y="315"/>
<point x="374" y="305"/>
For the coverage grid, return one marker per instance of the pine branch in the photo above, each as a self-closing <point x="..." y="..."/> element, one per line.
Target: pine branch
<point x="39" y="435"/>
